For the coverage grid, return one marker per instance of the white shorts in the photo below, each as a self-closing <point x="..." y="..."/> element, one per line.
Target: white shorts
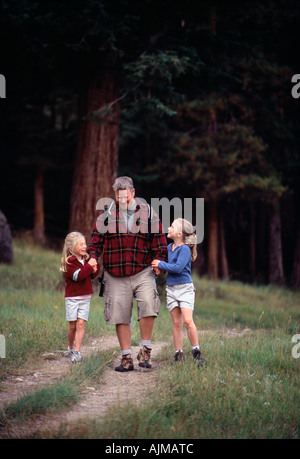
<point x="77" y="308"/>
<point x="182" y="295"/>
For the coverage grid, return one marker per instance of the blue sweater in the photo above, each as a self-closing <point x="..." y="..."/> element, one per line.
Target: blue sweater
<point x="178" y="266"/>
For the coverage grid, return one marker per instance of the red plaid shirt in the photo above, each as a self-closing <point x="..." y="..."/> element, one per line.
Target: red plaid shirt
<point x="126" y="253"/>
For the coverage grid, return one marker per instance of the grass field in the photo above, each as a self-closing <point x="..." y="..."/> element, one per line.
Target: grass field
<point x="249" y="387"/>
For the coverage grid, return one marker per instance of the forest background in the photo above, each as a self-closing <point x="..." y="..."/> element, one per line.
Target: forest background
<point x="189" y="98"/>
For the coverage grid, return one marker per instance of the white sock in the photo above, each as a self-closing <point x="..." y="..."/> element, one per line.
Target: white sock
<point x="196" y="347"/>
<point x="127" y="351"/>
<point x="145" y="342"/>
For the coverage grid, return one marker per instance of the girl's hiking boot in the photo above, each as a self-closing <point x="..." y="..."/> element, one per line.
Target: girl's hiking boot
<point x="69" y="352"/>
<point x="179" y="356"/>
<point x="126" y="364"/>
<point x="197" y="356"/>
<point x="144" y="357"/>
<point x="76" y="357"/>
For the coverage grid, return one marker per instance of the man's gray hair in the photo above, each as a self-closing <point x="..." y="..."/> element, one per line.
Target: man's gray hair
<point x="123" y="183"/>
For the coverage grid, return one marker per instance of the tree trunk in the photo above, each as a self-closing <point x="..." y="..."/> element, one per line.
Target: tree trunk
<point x="223" y="254"/>
<point x="96" y="163"/>
<point x="212" y="255"/>
<point x="213" y="230"/>
<point x="262" y="244"/>
<point x="252" y="242"/>
<point x="39" y="214"/>
<point x="199" y="265"/>
<point x="276" y="275"/>
<point x="295" y="276"/>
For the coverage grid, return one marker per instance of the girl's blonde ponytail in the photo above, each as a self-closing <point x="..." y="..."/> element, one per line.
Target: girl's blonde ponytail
<point x="189" y="237"/>
<point x="191" y="241"/>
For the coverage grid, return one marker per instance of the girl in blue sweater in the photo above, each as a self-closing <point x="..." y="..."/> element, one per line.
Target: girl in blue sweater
<point x="180" y="287"/>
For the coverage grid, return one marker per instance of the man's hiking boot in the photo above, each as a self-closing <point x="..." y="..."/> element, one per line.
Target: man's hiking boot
<point x="179" y="356"/>
<point x="144" y="357"/>
<point x="126" y="364"/>
<point x="197" y="356"/>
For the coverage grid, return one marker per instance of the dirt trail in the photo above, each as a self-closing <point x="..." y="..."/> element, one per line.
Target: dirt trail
<point x="114" y="388"/>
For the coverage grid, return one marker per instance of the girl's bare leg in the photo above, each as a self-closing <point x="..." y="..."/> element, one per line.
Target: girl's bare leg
<point x="177" y="327"/>
<point x="79" y="333"/>
<point x="190" y="326"/>
<point x="71" y="333"/>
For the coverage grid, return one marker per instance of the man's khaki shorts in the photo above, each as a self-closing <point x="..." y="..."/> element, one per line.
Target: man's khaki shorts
<point x="119" y="293"/>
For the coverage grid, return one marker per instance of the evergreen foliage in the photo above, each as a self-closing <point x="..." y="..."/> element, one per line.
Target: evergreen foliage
<point x="205" y="99"/>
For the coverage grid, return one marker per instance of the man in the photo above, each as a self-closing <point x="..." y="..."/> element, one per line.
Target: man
<point x="123" y="234"/>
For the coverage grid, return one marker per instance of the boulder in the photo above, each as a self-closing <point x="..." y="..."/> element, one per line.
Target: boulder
<point x="6" y="250"/>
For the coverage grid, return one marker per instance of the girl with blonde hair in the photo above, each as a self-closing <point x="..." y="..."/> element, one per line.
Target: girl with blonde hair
<point x="78" y="271"/>
<point x="180" y="287"/>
